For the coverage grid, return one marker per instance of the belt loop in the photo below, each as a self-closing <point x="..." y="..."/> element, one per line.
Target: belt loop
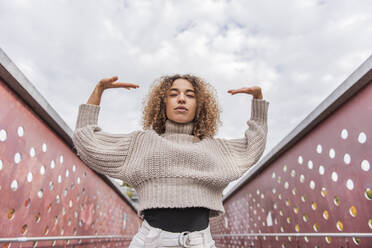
<point x="184" y="239"/>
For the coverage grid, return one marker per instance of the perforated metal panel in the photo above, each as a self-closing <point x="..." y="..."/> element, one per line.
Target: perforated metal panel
<point x="46" y="190"/>
<point x="323" y="184"/>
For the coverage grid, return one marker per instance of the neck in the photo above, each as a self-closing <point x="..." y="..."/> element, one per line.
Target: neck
<point x="172" y="127"/>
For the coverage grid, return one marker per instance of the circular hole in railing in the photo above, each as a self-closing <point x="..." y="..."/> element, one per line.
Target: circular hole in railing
<point x="37" y="217"/>
<point x="297" y="227"/>
<point x="365" y="165"/>
<point x="14" y="185"/>
<point x="336" y="200"/>
<point x="316" y="227"/>
<point x="58" y="199"/>
<point x="17" y="158"/>
<point x="27" y="202"/>
<point x="303" y="198"/>
<point x="300" y="159"/>
<point x="282" y="229"/>
<point x="321" y="170"/>
<point x="285" y="168"/>
<point x="24" y="229"/>
<point x="52" y="164"/>
<point x="356" y="240"/>
<point x="286" y="185"/>
<point x="288" y="220"/>
<point x="347" y="158"/>
<point x="67" y="173"/>
<point x="3" y="135"/>
<point x="323" y="192"/>
<point x="70" y="204"/>
<point x="353" y="211"/>
<point x="54" y="243"/>
<point x="325" y="215"/>
<point x="55" y="220"/>
<point x="368" y="194"/>
<point x="78" y="180"/>
<point x="280" y="196"/>
<point x="362" y="137"/>
<point x="288" y="202"/>
<point x="49" y="208"/>
<point x="63" y="211"/>
<point x="339" y="226"/>
<point x="313" y="205"/>
<point x="29" y="177"/>
<point x="46" y="230"/>
<point x="328" y="239"/>
<point x="334" y="176"/>
<point x="302" y="178"/>
<point x="344" y="134"/>
<point x="350" y="184"/>
<point x="65" y="192"/>
<point x="370" y="223"/>
<point x="11" y="213"/>
<point x="312" y="184"/>
<point x="279" y="179"/>
<point x="61" y="159"/>
<point x="293" y="173"/>
<point x="42" y="170"/>
<point x="1" y="164"/>
<point x="51" y="185"/>
<point x="59" y="179"/>
<point x="34" y="244"/>
<point x="281" y="212"/>
<point x="310" y="164"/>
<point x="306" y="239"/>
<point x="294" y="191"/>
<point x="305" y="218"/>
<point x="44" y="147"/>
<point x="332" y="153"/>
<point x="32" y="152"/>
<point x="295" y="209"/>
<point x="319" y="148"/>
<point x="40" y="193"/>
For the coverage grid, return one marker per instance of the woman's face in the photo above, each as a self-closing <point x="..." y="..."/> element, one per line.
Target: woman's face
<point x="181" y="94"/>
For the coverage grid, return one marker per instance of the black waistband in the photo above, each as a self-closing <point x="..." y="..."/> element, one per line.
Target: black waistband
<point x="178" y="219"/>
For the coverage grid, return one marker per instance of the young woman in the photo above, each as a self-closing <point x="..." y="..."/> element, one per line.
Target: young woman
<point x="177" y="167"/>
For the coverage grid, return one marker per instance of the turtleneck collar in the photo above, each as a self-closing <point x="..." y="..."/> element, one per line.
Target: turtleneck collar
<point x="172" y="127"/>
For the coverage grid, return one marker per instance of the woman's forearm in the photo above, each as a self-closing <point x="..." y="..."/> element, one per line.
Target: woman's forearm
<point x="95" y="97"/>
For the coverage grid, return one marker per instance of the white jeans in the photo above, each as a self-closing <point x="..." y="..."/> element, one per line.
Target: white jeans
<point x="152" y="237"/>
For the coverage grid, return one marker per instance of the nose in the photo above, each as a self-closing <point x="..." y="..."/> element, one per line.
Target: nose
<point x="181" y="98"/>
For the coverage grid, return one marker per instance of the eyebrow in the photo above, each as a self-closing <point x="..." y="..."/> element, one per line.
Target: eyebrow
<point x="188" y="90"/>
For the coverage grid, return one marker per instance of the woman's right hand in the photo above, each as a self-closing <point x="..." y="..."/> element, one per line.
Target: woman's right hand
<point x="107" y="83"/>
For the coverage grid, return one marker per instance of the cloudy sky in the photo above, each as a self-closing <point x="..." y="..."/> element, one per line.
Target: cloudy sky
<point x="298" y="52"/>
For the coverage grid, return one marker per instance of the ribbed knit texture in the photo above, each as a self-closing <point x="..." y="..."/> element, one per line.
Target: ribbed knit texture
<point x="173" y="169"/>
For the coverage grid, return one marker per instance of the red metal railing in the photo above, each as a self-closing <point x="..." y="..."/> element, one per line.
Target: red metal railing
<point x="315" y="188"/>
<point x="45" y="188"/>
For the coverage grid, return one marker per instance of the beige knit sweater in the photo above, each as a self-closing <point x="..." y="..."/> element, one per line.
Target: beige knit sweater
<point x="171" y="169"/>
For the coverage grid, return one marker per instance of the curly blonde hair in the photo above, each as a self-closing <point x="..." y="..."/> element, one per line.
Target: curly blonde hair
<point x="207" y="115"/>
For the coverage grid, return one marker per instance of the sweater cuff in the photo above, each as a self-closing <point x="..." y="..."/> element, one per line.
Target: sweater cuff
<point x="87" y="115"/>
<point x="259" y="110"/>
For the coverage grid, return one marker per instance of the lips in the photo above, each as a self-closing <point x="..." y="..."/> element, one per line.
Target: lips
<point x="181" y="108"/>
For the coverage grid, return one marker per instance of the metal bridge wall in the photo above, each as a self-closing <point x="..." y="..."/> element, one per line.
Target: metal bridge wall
<point x="46" y="190"/>
<point x="321" y="185"/>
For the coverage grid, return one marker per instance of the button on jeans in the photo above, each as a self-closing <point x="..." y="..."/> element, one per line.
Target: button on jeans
<point x="152" y="237"/>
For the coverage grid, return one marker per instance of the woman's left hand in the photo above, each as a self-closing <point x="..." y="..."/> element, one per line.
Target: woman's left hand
<point x="255" y="91"/>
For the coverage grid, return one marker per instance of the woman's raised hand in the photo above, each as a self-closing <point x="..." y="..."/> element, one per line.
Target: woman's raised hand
<point x="255" y="91"/>
<point x="107" y="83"/>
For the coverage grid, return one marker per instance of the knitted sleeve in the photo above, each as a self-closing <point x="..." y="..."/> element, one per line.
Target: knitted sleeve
<point x="248" y="150"/>
<point x="101" y="151"/>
